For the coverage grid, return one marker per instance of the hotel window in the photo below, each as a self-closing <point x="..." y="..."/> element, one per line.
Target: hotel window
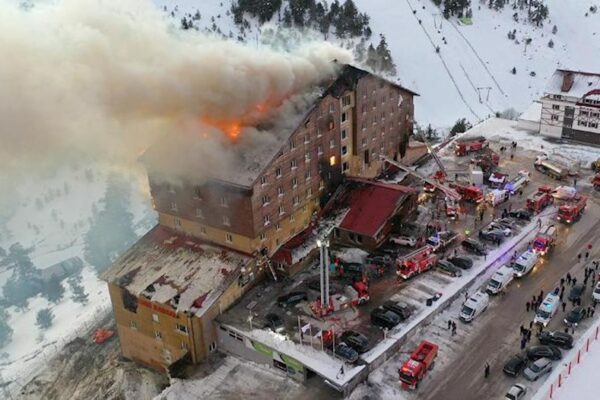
<point x="364" y="108"/>
<point x="321" y="184"/>
<point x="158" y="335"/>
<point x="203" y="230"/>
<point x="296" y="200"/>
<point x="374" y="104"/>
<point x="555" y="107"/>
<point x="364" y="93"/>
<point x="228" y="238"/>
<point x="346" y="100"/>
<point x="364" y="142"/>
<point x="226" y="221"/>
<point x="262" y="236"/>
<point x="319" y="131"/>
<point x="181" y="328"/>
<point x="294" y="182"/>
<point x="593" y="125"/>
<point x="554" y="118"/>
<point x="278" y="172"/>
<point x="278" y="226"/>
<point x="306" y="139"/>
<point x="133" y="325"/>
<point x="199" y="213"/>
<point x="223" y="202"/>
<point x="383" y="100"/>
<point x="174" y="206"/>
<point x="583" y="113"/>
<point x="320" y="150"/>
<point x="280" y="191"/>
<point x="281" y="210"/>
<point x="307" y="175"/>
<point x="294" y="164"/>
<point x="197" y="194"/>
<point x="331" y="108"/>
<point x="265" y="200"/>
<point x="344" y="135"/>
<point x="307" y="156"/>
<point x="332" y="143"/>
<point x="292" y="218"/>
<point x="344" y="150"/>
<point x="177" y="223"/>
<point x="292" y="144"/>
<point x="374" y="121"/>
<point x="582" y="123"/>
<point x="557" y="96"/>
<point x="344" y="117"/>
<point x="263" y="180"/>
<point x="266" y="220"/>
<point x="155" y="318"/>
<point x="308" y="192"/>
<point x="184" y="346"/>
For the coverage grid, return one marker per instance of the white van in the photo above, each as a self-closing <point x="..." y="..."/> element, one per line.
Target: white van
<point x="547" y="309"/>
<point x="525" y="263"/>
<point x="475" y="305"/>
<point x="500" y="280"/>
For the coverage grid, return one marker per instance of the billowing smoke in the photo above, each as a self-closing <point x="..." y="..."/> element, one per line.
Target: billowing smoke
<point x="106" y="78"/>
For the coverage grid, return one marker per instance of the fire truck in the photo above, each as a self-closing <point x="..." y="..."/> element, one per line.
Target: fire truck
<point x="596" y="182"/>
<point x="414" y="369"/>
<point x="572" y="210"/>
<point x="545" y="240"/>
<point x="540" y="200"/>
<point x="352" y="296"/>
<point x="488" y="160"/>
<point x="464" y="146"/>
<point x="414" y="263"/>
<point x="550" y="167"/>
<point x="470" y="193"/>
<point x="517" y="183"/>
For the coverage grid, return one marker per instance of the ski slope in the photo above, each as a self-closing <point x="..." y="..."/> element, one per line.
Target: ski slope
<point x="475" y="56"/>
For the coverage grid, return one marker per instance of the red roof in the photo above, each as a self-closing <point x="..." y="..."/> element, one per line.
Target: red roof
<point x="371" y="205"/>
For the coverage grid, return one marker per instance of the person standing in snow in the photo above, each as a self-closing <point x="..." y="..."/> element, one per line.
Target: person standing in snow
<point x="486" y="371"/>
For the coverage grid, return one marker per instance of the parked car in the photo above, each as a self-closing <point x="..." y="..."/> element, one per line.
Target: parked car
<point x="356" y="340"/>
<point x="355" y="270"/>
<point x="544" y="351"/>
<point x="291" y="299"/>
<point x="575" y="316"/>
<point x="346" y="353"/>
<point x="556" y="338"/>
<point x="473" y="246"/>
<point x="596" y="293"/>
<point x="521" y="214"/>
<point x="537" y="369"/>
<point x="491" y="235"/>
<point x="446" y="267"/>
<point x="515" y="365"/>
<point x="576" y="292"/>
<point x="384" y="318"/>
<point x="403" y="311"/>
<point x="505" y="222"/>
<point x="274" y="322"/>
<point x="380" y="259"/>
<point x="409" y="241"/>
<point x="461" y="262"/>
<point x="501" y="226"/>
<point x="516" y="392"/>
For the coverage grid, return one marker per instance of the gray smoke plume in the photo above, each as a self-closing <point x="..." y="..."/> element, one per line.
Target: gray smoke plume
<point x="105" y="79"/>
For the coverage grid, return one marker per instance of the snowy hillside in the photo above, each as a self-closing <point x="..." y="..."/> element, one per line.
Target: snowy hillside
<point x="475" y="56"/>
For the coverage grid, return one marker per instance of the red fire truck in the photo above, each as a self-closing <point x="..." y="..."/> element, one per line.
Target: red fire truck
<point x="352" y="296"/>
<point x="540" y="200"/>
<point x="416" y="262"/>
<point x="414" y="369"/>
<point x="572" y="210"/>
<point x="596" y="182"/>
<point x="464" y="146"/>
<point x="470" y="193"/>
<point x="544" y="240"/>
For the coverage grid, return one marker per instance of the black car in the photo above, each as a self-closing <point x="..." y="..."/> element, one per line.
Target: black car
<point x="544" y="351"/>
<point x="291" y="299"/>
<point x="315" y="284"/>
<point x="473" y="246"/>
<point x="356" y="340"/>
<point x="346" y="353"/>
<point x="448" y="268"/>
<point x="384" y="318"/>
<point x="354" y="270"/>
<point x="384" y="260"/>
<point x="556" y="338"/>
<point x="515" y="365"/>
<point x="461" y="262"/>
<point x="576" y="292"/>
<point x="274" y="322"/>
<point x="575" y="316"/>
<point x="399" y="309"/>
<point x="521" y="214"/>
<point x="491" y="235"/>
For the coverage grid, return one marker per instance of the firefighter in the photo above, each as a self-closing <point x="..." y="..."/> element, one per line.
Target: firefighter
<point x="486" y="371"/>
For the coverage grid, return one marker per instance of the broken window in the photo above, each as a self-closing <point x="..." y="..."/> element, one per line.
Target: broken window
<point x="130" y="302"/>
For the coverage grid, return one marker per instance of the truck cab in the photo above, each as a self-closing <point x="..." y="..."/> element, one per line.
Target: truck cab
<point x="525" y="263"/>
<point x="544" y="241"/>
<point x="421" y="360"/>
<point x="572" y="211"/>
<point x="475" y="305"/>
<point x="500" y="280"/>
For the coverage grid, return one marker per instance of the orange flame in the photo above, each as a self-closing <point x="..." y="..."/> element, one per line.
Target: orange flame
<point x="231" y="128"/>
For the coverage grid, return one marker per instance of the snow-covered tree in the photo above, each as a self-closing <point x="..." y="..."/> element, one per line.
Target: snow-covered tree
<point x="24" y="282"/>
<point x="5" y="329"/>
<point x="53" y="290"/>
<point x="44" y="318"/>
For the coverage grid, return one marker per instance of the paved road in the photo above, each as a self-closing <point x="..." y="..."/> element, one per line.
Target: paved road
<point x="497" y="334"/>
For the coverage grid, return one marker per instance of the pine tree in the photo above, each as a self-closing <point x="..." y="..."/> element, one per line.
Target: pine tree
<point x="5" y="329"/>
<point x="53" y="290"/>
<point x="24" y="282"/>
<point x="372" y="58"/>
<point x="360" y="51"/>
<point x="437" y="2"/>
<point x="44" y="318"/>
<point x="387" y="64"/>
<point x="461" y="125"/>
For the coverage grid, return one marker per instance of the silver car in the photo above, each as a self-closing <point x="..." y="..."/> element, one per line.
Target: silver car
<point x="537" y="369"/>
<point x="516" y="392"/>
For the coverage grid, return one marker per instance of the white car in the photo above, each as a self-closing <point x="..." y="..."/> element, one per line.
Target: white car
<point x="564" y="193"/>
<point x="516" y="392"/>
<point x="404" y="240"/>
<point x="596" y="293"/>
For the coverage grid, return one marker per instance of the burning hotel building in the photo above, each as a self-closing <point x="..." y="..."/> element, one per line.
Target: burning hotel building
<point x="214" y="236"/>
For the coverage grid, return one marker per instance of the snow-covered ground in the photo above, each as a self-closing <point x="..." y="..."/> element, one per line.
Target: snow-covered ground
<point x="52" y="217"/>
